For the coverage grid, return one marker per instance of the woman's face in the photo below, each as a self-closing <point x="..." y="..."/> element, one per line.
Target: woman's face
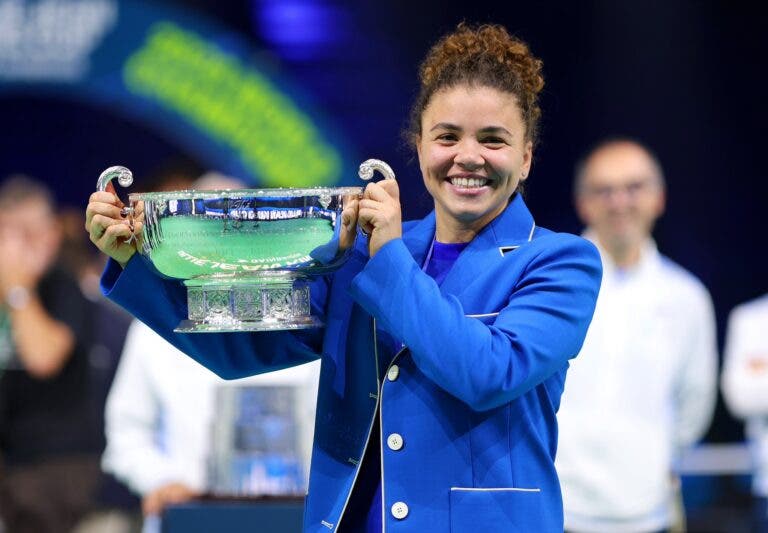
<point x="472" y="153"/>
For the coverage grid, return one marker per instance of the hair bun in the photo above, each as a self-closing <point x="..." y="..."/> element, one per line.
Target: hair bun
<point x="489" y="43"/>
<point x="485" y="55"/>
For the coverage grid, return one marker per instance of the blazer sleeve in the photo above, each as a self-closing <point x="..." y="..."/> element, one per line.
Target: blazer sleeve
<point x="543" y="324"/>
<point x="161" y="304"/>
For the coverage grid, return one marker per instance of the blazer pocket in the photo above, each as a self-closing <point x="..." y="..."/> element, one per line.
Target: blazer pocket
<point x="485" y="318"/>
<point x="499" y="510"/>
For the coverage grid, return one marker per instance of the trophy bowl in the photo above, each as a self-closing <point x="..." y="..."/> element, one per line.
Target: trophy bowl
<point x="246" y="256"/>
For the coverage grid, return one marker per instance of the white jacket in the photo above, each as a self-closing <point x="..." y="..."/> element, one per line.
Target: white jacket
<point x="160" y="411"/>
<point x="745" y="381"/>
<point x="642" y="387"/>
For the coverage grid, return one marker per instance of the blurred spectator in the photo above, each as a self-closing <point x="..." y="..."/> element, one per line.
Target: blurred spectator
<point x="745" y="388"/>
<point x="116" y="509"/>
<point x="160" y="412"/>
<point x="643" y="386"/>
<point x="48" y="426"/>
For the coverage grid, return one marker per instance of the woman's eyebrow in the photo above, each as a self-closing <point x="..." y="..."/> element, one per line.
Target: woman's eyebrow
<point x="488" y="129"/>
<point x="445" y="126"/>
<point x="495" y="129"/>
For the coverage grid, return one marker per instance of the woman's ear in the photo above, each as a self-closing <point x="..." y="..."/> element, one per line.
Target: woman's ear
<point x="527" y="160"/>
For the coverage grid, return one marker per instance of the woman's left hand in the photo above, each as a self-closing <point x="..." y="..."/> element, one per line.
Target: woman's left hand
<point x="348" y="222"/>
<point x="379" y="214"/>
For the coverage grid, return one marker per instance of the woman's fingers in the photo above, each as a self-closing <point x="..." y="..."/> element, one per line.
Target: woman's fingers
<point x="105" y="197"/>
<point x="374" y="191"/>
<point x="349" y="214"/>
<point x="109" y="227"/>
<point x="100" y="203"/>
<point x="105" y="210"/>
<point x="348" y="222"/>
<point x="373" y="205"/>
<point x="100" y="224"/>
<point x="391" y="188"/>
<point x="380" y="221"/>
<point x="367" y="209"/>
<point x="108" y="239"/>
<point x="382" y="191"/>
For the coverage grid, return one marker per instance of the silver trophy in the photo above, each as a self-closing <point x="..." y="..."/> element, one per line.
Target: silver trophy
<point x="246" y="256"/>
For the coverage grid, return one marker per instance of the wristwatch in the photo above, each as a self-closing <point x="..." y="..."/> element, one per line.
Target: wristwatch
<point x="17" y="297"/>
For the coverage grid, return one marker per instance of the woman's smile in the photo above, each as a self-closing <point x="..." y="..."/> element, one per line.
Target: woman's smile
<point x="468" y="184"/>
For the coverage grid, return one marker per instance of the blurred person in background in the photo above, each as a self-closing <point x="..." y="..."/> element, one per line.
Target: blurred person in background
<point x="116" y="509"/>
<point x="48" y="430"/>
<point x="644" y="384"/>
<point x="160" y="418"/>
<point x="745" y="389"/>
<point x="161" y="409"/>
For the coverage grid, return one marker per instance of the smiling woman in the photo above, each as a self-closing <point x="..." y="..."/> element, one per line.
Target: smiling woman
<point x="473" y="155"/>
<point x="447" y="339"/>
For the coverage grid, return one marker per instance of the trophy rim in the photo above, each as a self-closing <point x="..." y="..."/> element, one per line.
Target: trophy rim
<point x="244" y="193"/>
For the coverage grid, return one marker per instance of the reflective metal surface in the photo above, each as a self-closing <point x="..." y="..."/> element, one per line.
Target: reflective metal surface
<point x="246" y="256"/>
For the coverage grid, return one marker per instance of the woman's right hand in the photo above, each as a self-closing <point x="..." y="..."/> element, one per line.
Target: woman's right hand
<point x="108" y="227"/>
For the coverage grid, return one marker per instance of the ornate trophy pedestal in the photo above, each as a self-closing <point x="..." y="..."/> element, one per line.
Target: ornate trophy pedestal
<point x="274" y="302"/>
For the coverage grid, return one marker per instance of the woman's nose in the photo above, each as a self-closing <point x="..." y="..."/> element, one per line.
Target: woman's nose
<point x="468" y="156"/>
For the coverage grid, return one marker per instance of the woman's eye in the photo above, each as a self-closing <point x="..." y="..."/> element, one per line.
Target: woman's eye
<point x="493" y="140"/>
<point x="449" y="137"/>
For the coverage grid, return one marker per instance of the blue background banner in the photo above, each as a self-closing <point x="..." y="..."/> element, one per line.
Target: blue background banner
<point x="145" y="71"/>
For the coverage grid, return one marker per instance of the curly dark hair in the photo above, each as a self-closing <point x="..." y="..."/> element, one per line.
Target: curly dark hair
<point x="485" y="56"/>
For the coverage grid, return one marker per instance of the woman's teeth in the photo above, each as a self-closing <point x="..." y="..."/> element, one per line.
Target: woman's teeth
<point x="468" y="183"/>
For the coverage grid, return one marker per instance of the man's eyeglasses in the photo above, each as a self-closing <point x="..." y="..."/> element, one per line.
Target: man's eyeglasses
<point x="632" y="190"/>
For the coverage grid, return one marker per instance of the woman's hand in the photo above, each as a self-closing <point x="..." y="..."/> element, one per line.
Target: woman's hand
<point x="379" y="214"/>
<point x="108" y="227"/>
<point x="348" y="231"/>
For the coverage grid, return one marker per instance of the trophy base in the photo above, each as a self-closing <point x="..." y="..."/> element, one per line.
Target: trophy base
<point x="200" y="326"/>
<point x="265" y="303"/>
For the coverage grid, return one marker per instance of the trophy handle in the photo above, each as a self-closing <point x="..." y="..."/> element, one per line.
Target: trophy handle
<point x="124" y="178"/>
<point x="368" y="167"/>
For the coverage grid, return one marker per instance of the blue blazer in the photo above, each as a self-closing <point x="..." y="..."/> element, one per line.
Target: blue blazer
<point x="468" y="375"/>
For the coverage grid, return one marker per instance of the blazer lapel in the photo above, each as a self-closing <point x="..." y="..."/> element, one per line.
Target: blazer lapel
<point x="511" y="229"/>
<point x="419" y="238"/>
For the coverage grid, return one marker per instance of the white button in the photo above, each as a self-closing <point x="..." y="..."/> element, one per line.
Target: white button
<point x="393" y="372"/>
<point x="395" y="441"/>
<point x="399" y="510"/>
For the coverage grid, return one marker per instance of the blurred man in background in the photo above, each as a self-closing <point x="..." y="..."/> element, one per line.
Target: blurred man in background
<point x="48" y="437"/>
<point x="643" y="386"/>
<point x="745" y="389"/>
